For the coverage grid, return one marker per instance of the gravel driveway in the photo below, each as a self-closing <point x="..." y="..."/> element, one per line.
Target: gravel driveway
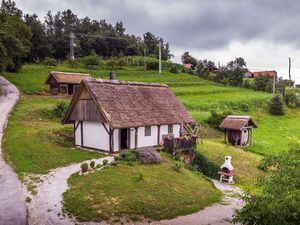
<point x="13" y="210"/>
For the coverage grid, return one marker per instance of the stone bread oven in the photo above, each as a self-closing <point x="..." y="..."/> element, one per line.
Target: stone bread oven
<point x="226" y="173"/>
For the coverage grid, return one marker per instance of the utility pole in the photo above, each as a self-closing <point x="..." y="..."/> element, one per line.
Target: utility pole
<point x="72" y="52"/>
<point x="290" y="78"/>
<point x="274" y="87"/>
<point x="159" y="56"/>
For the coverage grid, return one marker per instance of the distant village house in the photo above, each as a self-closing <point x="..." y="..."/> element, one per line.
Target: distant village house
<point x="188" y="66"/>
<point x="111" y="115"/>
<point x="65" y="83"/>
<point x="270" y="73"/>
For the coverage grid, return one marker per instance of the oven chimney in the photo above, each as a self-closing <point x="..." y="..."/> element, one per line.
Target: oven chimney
<point x="112" y="75"/>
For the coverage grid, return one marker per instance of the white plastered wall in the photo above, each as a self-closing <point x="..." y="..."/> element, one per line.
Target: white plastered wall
<point x="94" y="135"/>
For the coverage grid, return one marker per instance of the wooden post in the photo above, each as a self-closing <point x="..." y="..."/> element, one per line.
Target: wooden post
<point x="251" y="136"/>
<point x="241" y="133"/>
<point x="81" y="132"/>
<point x="225" y="136"/>
<point x="111" y="140"/>
<point x="136" y="137"/>
<point x="158" y="134"/>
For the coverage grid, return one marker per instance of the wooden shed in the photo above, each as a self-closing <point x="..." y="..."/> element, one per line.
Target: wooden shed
<point x="238" y="130"/>
<point x="65" y="83"/>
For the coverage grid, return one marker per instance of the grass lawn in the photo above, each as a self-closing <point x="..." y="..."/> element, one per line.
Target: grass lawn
<point x="151" y="191"/>
<point x="35" y="141"/>
<point x="245" y="163"/>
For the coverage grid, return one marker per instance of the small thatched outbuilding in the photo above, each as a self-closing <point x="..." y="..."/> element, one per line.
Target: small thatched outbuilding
<point x="65" y="83"/>
<point x="238" y="130"/>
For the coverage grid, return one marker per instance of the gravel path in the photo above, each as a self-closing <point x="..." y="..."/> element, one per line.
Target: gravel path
<point x="216" y="214"/>
<point x="46" y="207"/>
<point x="13" y="209"/>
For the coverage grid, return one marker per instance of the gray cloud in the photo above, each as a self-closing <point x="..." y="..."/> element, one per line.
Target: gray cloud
<point x="203" y="24"/>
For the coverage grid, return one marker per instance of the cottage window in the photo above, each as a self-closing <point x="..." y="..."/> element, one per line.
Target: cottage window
<point x="170" y="129"/>
<point x="148" y="131"/>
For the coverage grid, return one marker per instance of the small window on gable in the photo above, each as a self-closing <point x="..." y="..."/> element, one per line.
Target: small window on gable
<point x="170" y="129"/>
<point x="148" y="131"/>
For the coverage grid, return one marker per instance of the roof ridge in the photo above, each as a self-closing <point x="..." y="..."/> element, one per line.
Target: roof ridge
<point x="69" y="73"/>
<point x="120" y="82"/>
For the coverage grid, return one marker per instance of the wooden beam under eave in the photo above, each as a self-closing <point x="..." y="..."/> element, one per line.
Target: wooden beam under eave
<point x="136" y="137"/>
<point x="158" y="134"/>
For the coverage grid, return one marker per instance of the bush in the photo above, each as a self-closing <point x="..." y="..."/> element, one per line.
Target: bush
<point x="205" y="166"/>
<point x="91" y="61"/>
<point x="105" y="162"/>
<point x="129" y="156"/>
<point x="216" y="118"/>
<point x="92" y="164"/>
<point x="50" y="62"/>
<point x="60" y="109"/>
<point x="177" y="166"/>
<point x="278" y="199"/>
<point x="174" y="69"/>
<point x="149" y="156"/>
<point x="291" y="100"/>
<point x="276" y="105"/>
<point x="84" y="167"/>
<point x="117" y="158"/>
<point x="152" y="65"/>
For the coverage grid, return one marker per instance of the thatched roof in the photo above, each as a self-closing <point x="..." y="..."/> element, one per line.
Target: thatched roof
<point x="67" y="78"/>
<point x="134" y="104"/>
<point x="237" y="122"/>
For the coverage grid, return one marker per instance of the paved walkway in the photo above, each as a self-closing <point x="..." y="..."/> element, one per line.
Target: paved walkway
<point x="13" y="209"/>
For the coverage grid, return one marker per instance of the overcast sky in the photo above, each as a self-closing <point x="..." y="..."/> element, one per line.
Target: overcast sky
<point x="264" y="32"/>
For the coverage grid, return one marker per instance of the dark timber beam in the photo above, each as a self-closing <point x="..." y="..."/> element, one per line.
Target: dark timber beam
<point x="81" y="132"/>
<point x="105" y="128"/>
<point x="136" y="137"/>
<point x="158" y="134"/>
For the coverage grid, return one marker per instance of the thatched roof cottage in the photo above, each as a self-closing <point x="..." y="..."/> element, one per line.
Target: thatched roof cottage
<point x="111" y="115"/>
<point x="65" y="83"/>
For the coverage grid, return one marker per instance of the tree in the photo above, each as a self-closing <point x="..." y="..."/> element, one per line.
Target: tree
<point x="186" y="58"/>
<point x="202" y="68"/>
<point x="276" y="106"/>
<point x="238" y="63"/>
<point x="278" y="200"/>
<point x="39" y="45"/>
<point x="14" y="37"/>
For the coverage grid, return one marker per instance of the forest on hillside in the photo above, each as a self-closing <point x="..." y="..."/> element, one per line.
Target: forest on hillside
<point x="25" y="38"/>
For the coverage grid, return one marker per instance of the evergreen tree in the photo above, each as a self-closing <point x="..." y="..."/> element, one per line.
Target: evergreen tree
<point x="276" y="106"/>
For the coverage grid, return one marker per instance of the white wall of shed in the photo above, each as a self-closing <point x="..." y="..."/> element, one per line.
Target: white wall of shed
<point x="78" y="134"/>
<point x="94" y="135"/>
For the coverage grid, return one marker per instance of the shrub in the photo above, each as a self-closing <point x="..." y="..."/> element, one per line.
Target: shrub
<point x="129" y="156"/>
<point x="60" y="108"/>
<point x="117" y="158"/>
<point x="72" y="63"/>
<point x="105" y="162"/>
<point x="149" y="156"/>
<point x="216" y="118"/>
<point x="84" y="167"/>
<point x="152" y="65"/>
<point x="278" y="199"/>
<point x="91" y="61"/>
<point x="174" y="69"/>
<point x="92" y="164"/>
<point x="177" y="166"/>
<point x="276" y="105"/>
<point x="291" y="100"/>
<point x="205" y="166"/>
<point x="50" y="62"/>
